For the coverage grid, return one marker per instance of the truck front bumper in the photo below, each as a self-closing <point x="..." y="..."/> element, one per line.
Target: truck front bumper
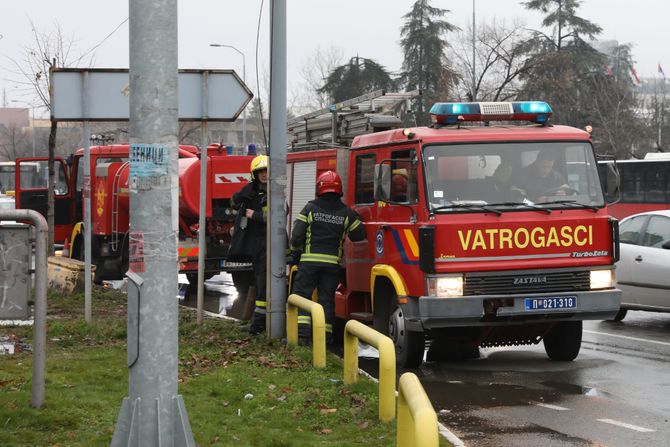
<point x="429" y="312"/>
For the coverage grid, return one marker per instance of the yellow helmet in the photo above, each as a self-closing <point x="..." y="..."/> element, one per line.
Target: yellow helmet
<point x="259" y="162"/>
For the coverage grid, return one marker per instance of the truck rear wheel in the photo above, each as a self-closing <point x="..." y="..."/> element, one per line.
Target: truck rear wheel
<point x="563" y="341"/>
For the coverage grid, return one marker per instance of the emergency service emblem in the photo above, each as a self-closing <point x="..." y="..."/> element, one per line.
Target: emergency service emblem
<point x="380" y="242"/>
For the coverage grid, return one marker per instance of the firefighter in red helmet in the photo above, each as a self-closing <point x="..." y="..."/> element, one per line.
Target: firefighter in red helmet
<point x="319" y="232"/>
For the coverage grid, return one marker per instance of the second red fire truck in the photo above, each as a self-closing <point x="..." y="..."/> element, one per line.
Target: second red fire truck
<point x="460" y="249"/>
<point x="110" y="170"/>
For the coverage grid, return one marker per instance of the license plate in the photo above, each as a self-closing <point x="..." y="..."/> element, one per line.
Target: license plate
<point x="551" y="303"/>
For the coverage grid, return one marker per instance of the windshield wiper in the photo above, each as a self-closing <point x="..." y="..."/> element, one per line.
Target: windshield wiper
<point x="528" y="205"/>
<point x="467" y="206"/>
<point x="570" y="202"/>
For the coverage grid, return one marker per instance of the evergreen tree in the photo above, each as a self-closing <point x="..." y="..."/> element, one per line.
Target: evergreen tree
<point x="355" y="78"/>
<point x="423" y="43"/>
<point x="583" y="86"/>
<point x="561" y="15"/>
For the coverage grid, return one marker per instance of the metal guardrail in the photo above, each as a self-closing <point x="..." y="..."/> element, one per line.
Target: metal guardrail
<point x="355" y="330"/>
<point x="417" y="421"/>
<point x="40" y="310"/>
<point x="318" y="327"/>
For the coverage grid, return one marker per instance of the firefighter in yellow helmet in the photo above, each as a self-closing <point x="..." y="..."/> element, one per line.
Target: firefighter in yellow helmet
<point x="252" y="201"/>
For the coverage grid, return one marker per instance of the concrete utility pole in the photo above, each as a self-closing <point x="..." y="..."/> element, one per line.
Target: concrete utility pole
<point x="277" y="219"/>
<point x="153" y="414"/>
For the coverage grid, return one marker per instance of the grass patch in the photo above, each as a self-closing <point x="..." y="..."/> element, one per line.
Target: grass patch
<point x="86" y="380"/>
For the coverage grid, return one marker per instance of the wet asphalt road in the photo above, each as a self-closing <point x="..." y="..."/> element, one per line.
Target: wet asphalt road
<point x="616" y="393"/>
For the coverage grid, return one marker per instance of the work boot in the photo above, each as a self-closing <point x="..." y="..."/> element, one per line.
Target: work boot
<point x="257" y="325"/>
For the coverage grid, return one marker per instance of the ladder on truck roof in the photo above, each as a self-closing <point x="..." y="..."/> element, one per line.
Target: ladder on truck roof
<point x="339" y="123"/>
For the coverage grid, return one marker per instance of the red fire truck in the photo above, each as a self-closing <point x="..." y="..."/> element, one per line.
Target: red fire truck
<point x="110" y="205"/>
<point x="462" y="248"/>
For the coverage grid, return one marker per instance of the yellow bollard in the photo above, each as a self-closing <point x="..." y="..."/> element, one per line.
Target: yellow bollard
<point x="417" y="421"/>
<point x="355" y="330"/>
<point x="318" y="326"/>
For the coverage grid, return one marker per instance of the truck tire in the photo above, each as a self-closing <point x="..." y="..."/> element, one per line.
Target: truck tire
<point x="409" y="346"/>
<point x="620" y="315"/>
<point x="563" y="341"/>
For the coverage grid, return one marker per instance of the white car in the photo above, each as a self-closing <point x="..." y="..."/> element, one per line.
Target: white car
<point x="643" y="271"/>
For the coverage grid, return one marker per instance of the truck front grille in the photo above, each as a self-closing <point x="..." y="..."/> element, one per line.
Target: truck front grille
<point x="519" y="283"/>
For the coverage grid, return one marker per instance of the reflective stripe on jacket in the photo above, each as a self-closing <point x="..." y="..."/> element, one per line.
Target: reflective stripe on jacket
<point x="320" y="229"/>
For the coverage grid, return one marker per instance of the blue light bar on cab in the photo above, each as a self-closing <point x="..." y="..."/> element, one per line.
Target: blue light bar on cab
<point x="447" y="113"/>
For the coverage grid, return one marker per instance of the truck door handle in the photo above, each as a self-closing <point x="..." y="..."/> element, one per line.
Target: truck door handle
<point x="639" y="258"/>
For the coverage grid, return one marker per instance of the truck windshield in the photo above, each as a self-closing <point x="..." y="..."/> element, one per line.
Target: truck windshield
<point x="518" y="175"/>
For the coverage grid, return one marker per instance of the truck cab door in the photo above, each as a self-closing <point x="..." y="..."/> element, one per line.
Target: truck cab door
<point x="32" y="189"/>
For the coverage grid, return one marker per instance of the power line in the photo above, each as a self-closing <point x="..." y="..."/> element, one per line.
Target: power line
<point x="102" y="41"/>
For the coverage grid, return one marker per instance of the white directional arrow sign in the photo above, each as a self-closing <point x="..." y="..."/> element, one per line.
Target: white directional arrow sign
<point x="105" y="92"/>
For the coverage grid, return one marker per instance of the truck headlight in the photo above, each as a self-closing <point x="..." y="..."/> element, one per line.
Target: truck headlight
<point x="602" y="279"/>
<point x="449" y="286"/>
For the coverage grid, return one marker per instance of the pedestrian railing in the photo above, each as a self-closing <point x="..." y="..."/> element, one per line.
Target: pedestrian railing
<point x="295" y="302"/>
<point x="355" y="330"/>
<point x="417" y="421"/>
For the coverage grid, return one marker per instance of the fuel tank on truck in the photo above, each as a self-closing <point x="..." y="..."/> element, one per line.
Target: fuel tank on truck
<point x="226" y="174"/>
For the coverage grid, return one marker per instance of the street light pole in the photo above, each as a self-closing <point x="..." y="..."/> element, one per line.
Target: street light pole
<point x="474" y="60"/>
<point x="244" y="79"/>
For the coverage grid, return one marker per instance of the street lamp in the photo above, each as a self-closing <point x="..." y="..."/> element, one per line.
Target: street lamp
<point x="244" y="79"/>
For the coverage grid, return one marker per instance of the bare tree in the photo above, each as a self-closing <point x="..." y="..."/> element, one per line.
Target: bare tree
<point x="616" y="129"/>
<point x="500" y="59"/>
<point x="50" y="49"/>
<point x="14" y="141"/>
<point x="315" y="70"/>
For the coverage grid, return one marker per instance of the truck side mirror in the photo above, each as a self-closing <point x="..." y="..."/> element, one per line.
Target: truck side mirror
<point x="610" y="178"/>
<point x="612" y="188"/>
<point x="382" y="183"/>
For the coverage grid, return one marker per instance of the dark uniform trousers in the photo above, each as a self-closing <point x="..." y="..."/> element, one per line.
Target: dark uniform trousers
<point x="325" y="278"/>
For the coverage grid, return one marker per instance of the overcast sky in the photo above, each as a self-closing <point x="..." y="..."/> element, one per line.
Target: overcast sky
<point x="369" y="28"/>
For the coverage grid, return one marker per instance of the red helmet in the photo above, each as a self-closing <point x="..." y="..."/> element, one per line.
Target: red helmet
<point x="329" y="181"/>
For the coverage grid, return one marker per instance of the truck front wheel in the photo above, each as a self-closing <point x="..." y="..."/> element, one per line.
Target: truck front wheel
<point x="563" y="341"/>
<point x="389" y="319"/>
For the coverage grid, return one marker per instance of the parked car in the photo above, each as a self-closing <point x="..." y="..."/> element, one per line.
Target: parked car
<point x="643" y="271"/>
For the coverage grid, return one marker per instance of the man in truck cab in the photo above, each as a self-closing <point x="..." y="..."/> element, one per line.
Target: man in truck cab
<point x="540" y="177"/>
<point x="252" y="201"/>
<point x="319" y="232"/>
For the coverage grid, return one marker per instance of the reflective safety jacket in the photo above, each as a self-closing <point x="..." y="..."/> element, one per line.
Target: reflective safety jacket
<point x="320" y="229"/>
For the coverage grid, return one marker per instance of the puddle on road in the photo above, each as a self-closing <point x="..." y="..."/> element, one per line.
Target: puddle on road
<point x="485" y="395"/>
<point x="482" y="432"/>
<point x="569" y="388"/>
